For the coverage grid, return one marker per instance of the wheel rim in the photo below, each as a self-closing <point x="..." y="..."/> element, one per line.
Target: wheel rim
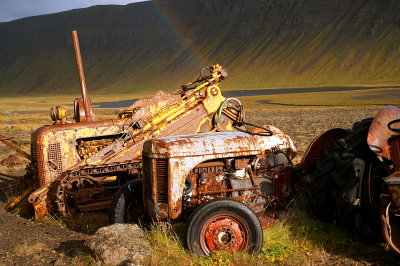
<point x="224" y="232"/>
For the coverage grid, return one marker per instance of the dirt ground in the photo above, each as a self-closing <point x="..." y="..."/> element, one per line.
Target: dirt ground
<point x="25" y="242"/>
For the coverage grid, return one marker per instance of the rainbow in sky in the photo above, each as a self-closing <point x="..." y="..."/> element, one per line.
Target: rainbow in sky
<point x="191" y="49"/>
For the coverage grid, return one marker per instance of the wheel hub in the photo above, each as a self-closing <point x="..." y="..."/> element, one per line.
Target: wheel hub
<point x="224" y="234"/>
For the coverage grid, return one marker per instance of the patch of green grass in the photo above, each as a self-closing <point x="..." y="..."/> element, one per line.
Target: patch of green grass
<point x="84" y="259"/>
<point x="297" y="242"/>
<point x="167" y="246"/>
<point x="278" y="243"/>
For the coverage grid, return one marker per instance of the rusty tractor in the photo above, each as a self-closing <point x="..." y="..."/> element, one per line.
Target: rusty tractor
<point x="222" y="184"/>
<point x="78" y="164"/>
<point x="355" y="176"/>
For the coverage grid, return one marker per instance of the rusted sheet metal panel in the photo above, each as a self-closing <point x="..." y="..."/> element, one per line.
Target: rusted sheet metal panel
<point x="269" y="218"/>
<point x="379" y="133"/>
<point x="232" y="143"/>
<point x="178" y="169"/>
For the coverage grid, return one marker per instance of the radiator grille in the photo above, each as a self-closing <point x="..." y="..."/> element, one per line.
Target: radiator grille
<point x="161" y="179"/>
<point x="39" y="162"/>
<point x="55" y="160"/>
<point x="33" y="153"/>
<point x="155" y="178"/>
<point x="148" y="193"/>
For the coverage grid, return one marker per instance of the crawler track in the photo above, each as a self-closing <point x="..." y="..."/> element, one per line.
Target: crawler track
<point x="59" y="187"/>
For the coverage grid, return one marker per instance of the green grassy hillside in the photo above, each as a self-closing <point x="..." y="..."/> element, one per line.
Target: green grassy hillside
<point x="160" y="44"/>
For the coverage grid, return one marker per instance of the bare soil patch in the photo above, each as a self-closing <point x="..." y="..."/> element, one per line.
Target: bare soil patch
<point x="24" y="242"/>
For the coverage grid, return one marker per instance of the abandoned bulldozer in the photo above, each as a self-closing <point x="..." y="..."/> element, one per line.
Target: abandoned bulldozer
<point x="355" y="176"/>
<point x="77" y="164"/>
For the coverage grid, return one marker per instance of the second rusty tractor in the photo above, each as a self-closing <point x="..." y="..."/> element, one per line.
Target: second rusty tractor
<point x="354" y="177"/>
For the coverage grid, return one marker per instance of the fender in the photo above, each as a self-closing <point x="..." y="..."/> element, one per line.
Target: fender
<point x="317" y="147"/>
<point x="379" y="132"/>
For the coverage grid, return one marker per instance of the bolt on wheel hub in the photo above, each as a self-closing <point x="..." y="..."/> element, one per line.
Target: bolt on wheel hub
<point x="224" y="234"/>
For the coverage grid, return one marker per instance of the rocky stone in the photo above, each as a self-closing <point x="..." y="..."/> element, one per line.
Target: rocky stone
<point x="119" y="244"/>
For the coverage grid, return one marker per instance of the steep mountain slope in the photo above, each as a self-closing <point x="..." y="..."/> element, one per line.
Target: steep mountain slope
<point x="160" y="44"/>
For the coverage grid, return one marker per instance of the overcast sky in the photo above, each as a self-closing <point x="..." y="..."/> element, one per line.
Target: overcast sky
<point x="14" y="9"/>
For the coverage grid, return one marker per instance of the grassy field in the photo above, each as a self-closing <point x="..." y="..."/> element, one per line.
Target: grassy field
<point x="302" y="242"/>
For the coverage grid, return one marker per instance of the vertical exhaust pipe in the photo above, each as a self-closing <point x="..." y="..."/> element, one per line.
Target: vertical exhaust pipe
<point x="88" y="114"/>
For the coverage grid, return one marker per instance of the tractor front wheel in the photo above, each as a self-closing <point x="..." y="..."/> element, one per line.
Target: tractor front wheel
<point x="223" y="224"/>
<point x="127" y="203"/>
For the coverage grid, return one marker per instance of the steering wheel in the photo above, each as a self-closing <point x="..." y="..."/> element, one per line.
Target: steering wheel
<point x="396" y="130"/>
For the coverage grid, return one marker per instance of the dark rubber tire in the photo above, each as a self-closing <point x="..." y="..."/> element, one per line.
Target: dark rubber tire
<point x="335" y="175"/>
<point x="127" y="203"/>
<point x="236" y="215"/>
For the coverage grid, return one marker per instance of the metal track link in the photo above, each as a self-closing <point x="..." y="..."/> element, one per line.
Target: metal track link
<point x="61" y="184"/>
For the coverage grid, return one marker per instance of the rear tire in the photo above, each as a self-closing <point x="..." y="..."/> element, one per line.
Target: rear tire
<point x="339" y="185"/>
<point x="223" y="224"/>
<point x="127" y="203"/>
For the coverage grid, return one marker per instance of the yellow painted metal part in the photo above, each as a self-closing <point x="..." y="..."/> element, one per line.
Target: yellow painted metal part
<point x="206" y="120"/>
<point x="17" y="200"/>
<point x="38" y="192"/>
<point x="213" y="100"/>
<point x="40" y="209"/>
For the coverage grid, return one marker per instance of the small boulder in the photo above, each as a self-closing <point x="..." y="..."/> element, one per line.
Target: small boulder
<point x="119" y="244"/>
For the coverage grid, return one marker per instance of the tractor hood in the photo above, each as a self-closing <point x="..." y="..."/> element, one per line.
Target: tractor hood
<point x="219" y="143"/>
